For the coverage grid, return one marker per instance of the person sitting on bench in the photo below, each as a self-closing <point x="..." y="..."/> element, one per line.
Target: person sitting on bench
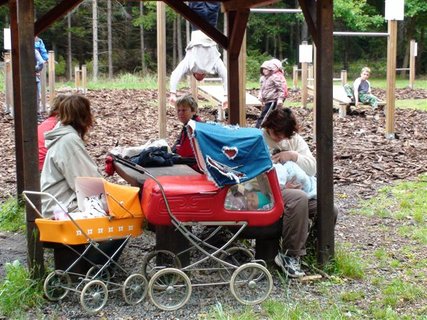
<point x="361" y="90"/>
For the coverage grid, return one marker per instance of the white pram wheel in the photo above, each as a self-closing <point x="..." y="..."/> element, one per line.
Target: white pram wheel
<point x="251" y="283"/>
<point x="169" y="289"/>
<point x="94" y="296"/>
<point x="57" y="285"/>
<point x="157" y="260"/>
<point x="135" y="288"/>
<point x="103" y="276"/>
<point x="236" y="256"/>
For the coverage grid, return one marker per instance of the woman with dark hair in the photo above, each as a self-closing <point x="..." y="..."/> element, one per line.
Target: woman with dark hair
<point x="66" y="156"/>
<point x="281" y="134"/>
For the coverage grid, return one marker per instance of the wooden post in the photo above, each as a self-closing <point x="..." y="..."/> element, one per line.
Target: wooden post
<point x="26" y="114"/>
<point x="412" y="54"/>
<point x="8" y="83"/>
<point x="194" y="88"/>
<point x="343" y="77"/>
<point x="84" y="79"/>
<point x="242" y="83"/>
<point x="324" y="131"/>
<point x="391" y="78"/>
<point x="295" y="77"/>
<point x="310" y="78"/>
<point x="161" y="66"/>
<point x="77" y="78"/>
<point x="51" y="64"/>
<point x="314" y="92"/>
<point x="43" y="79"/>
<point x="304" y="73"/>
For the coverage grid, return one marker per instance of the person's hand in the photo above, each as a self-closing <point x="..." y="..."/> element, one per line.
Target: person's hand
<point x="284" y="156"/>
<point x="224" y="104"/>
<point x="292" y="184"/>
<point x="172" y="99"/>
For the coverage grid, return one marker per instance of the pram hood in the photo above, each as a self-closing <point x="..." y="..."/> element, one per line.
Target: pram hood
<point x="229" y="154"/>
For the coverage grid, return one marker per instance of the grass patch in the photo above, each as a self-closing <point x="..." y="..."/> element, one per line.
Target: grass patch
<point x="346" y="263"/>
<point x="418" y="104"/>
<point x="12" y="216"/>
<point x="18" y="292"/>
<point x="404" y="201"/>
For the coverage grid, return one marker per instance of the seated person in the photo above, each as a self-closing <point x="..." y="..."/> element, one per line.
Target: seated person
<point x="46" y="126"/>
<point x="186" y="109"/>
<point x="67" y="157"/>
<point x="361" y="90"/>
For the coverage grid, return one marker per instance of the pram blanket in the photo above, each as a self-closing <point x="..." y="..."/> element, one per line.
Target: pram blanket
<point x="229" y="154"/>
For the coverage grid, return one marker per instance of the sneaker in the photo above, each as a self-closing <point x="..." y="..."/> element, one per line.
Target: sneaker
<point x="290" y="265"/>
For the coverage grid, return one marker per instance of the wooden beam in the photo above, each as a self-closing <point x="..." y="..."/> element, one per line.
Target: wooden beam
<point x="54" y="14"/>
<point x="233" y="76"/>
<point x="194" y="18"/>
<point x="308" y="8"/>
<point x="324" y="130"/>
<point x="234" y="5"/>
<point x="238" y="29"/>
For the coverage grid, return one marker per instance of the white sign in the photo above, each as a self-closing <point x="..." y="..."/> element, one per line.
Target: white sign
<point x="394" y="9"/>
<point x="7" y="41"/>
<point x="306" y="53"/>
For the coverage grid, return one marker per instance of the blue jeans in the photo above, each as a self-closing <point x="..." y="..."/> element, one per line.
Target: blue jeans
<point x="207" y="10"/>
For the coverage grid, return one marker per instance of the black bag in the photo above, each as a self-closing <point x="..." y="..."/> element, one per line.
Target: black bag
<point x="155" y="157"/>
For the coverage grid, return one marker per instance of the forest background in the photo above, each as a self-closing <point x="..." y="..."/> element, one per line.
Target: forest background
<point x="114" y="37"/>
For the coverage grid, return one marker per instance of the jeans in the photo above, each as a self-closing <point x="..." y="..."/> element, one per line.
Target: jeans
<point x="207" y="10"/>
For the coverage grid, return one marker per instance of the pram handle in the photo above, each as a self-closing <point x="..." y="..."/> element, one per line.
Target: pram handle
<point x="27" y="199"/>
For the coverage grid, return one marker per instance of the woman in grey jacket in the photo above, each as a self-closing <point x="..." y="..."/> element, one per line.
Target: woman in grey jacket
<point x="67" y="157"/>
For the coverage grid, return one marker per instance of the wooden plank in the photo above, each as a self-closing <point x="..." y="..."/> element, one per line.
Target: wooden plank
<point x="217" y="93"/>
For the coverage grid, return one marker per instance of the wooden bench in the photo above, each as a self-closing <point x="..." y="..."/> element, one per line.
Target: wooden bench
<point x="341" y="100"/>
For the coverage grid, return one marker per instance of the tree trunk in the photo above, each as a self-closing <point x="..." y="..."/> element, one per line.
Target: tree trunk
<point x="141" y="33"/>
<point x="110" y="41"/>
<point x="179" y="38"/>
<point x="95" y="39"/>
<point x="69" y="52"/>
<point x="174" y="46"/>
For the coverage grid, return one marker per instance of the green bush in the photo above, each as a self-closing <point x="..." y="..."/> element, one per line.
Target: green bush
<point x="254" y="61"/>
<point x="18" y="292"/>
<point x="12" y="216"/>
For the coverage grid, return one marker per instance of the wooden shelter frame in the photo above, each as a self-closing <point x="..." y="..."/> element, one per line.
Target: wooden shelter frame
<point x="318" y="16"/>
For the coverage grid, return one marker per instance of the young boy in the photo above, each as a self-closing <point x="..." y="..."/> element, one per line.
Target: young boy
<point x="361" y="90"/>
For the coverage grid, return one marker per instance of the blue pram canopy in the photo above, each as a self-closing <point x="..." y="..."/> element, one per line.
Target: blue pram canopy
<point x="229" y="154"/>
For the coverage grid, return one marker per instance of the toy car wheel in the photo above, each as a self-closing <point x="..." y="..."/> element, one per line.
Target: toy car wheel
<point x="237" y="256"/>
<point x="251" y="283"/>
<point x="57" y="285"/>
<point x="169" y="289"/>
<point x="94" y="296"/>
<point x="135" y="288"/>
<point x="94" y="274"/>
<point x="158" y="260"/>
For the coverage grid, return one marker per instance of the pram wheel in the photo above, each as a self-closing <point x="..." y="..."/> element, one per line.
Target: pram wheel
<point x="94" y="296"/>
<point x="169" y="289"/>
<point x="56" y="285"/>
<point x="104" y="275"/>
<point x="135" y="289"/>
<point x="251" y="283"/>
<point x="157" y="260"/>
<point x="236" y="256"/>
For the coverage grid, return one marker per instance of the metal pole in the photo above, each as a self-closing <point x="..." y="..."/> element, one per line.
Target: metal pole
<point x="357" y="34"/>
<point x="264" y="10"/>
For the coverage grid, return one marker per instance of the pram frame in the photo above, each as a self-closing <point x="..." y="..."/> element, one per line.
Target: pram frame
<point x="97" y="275"/>
<point x="197" y="243"/>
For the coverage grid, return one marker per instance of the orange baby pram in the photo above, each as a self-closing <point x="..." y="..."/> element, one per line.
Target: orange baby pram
<point x="124" y="220"/>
